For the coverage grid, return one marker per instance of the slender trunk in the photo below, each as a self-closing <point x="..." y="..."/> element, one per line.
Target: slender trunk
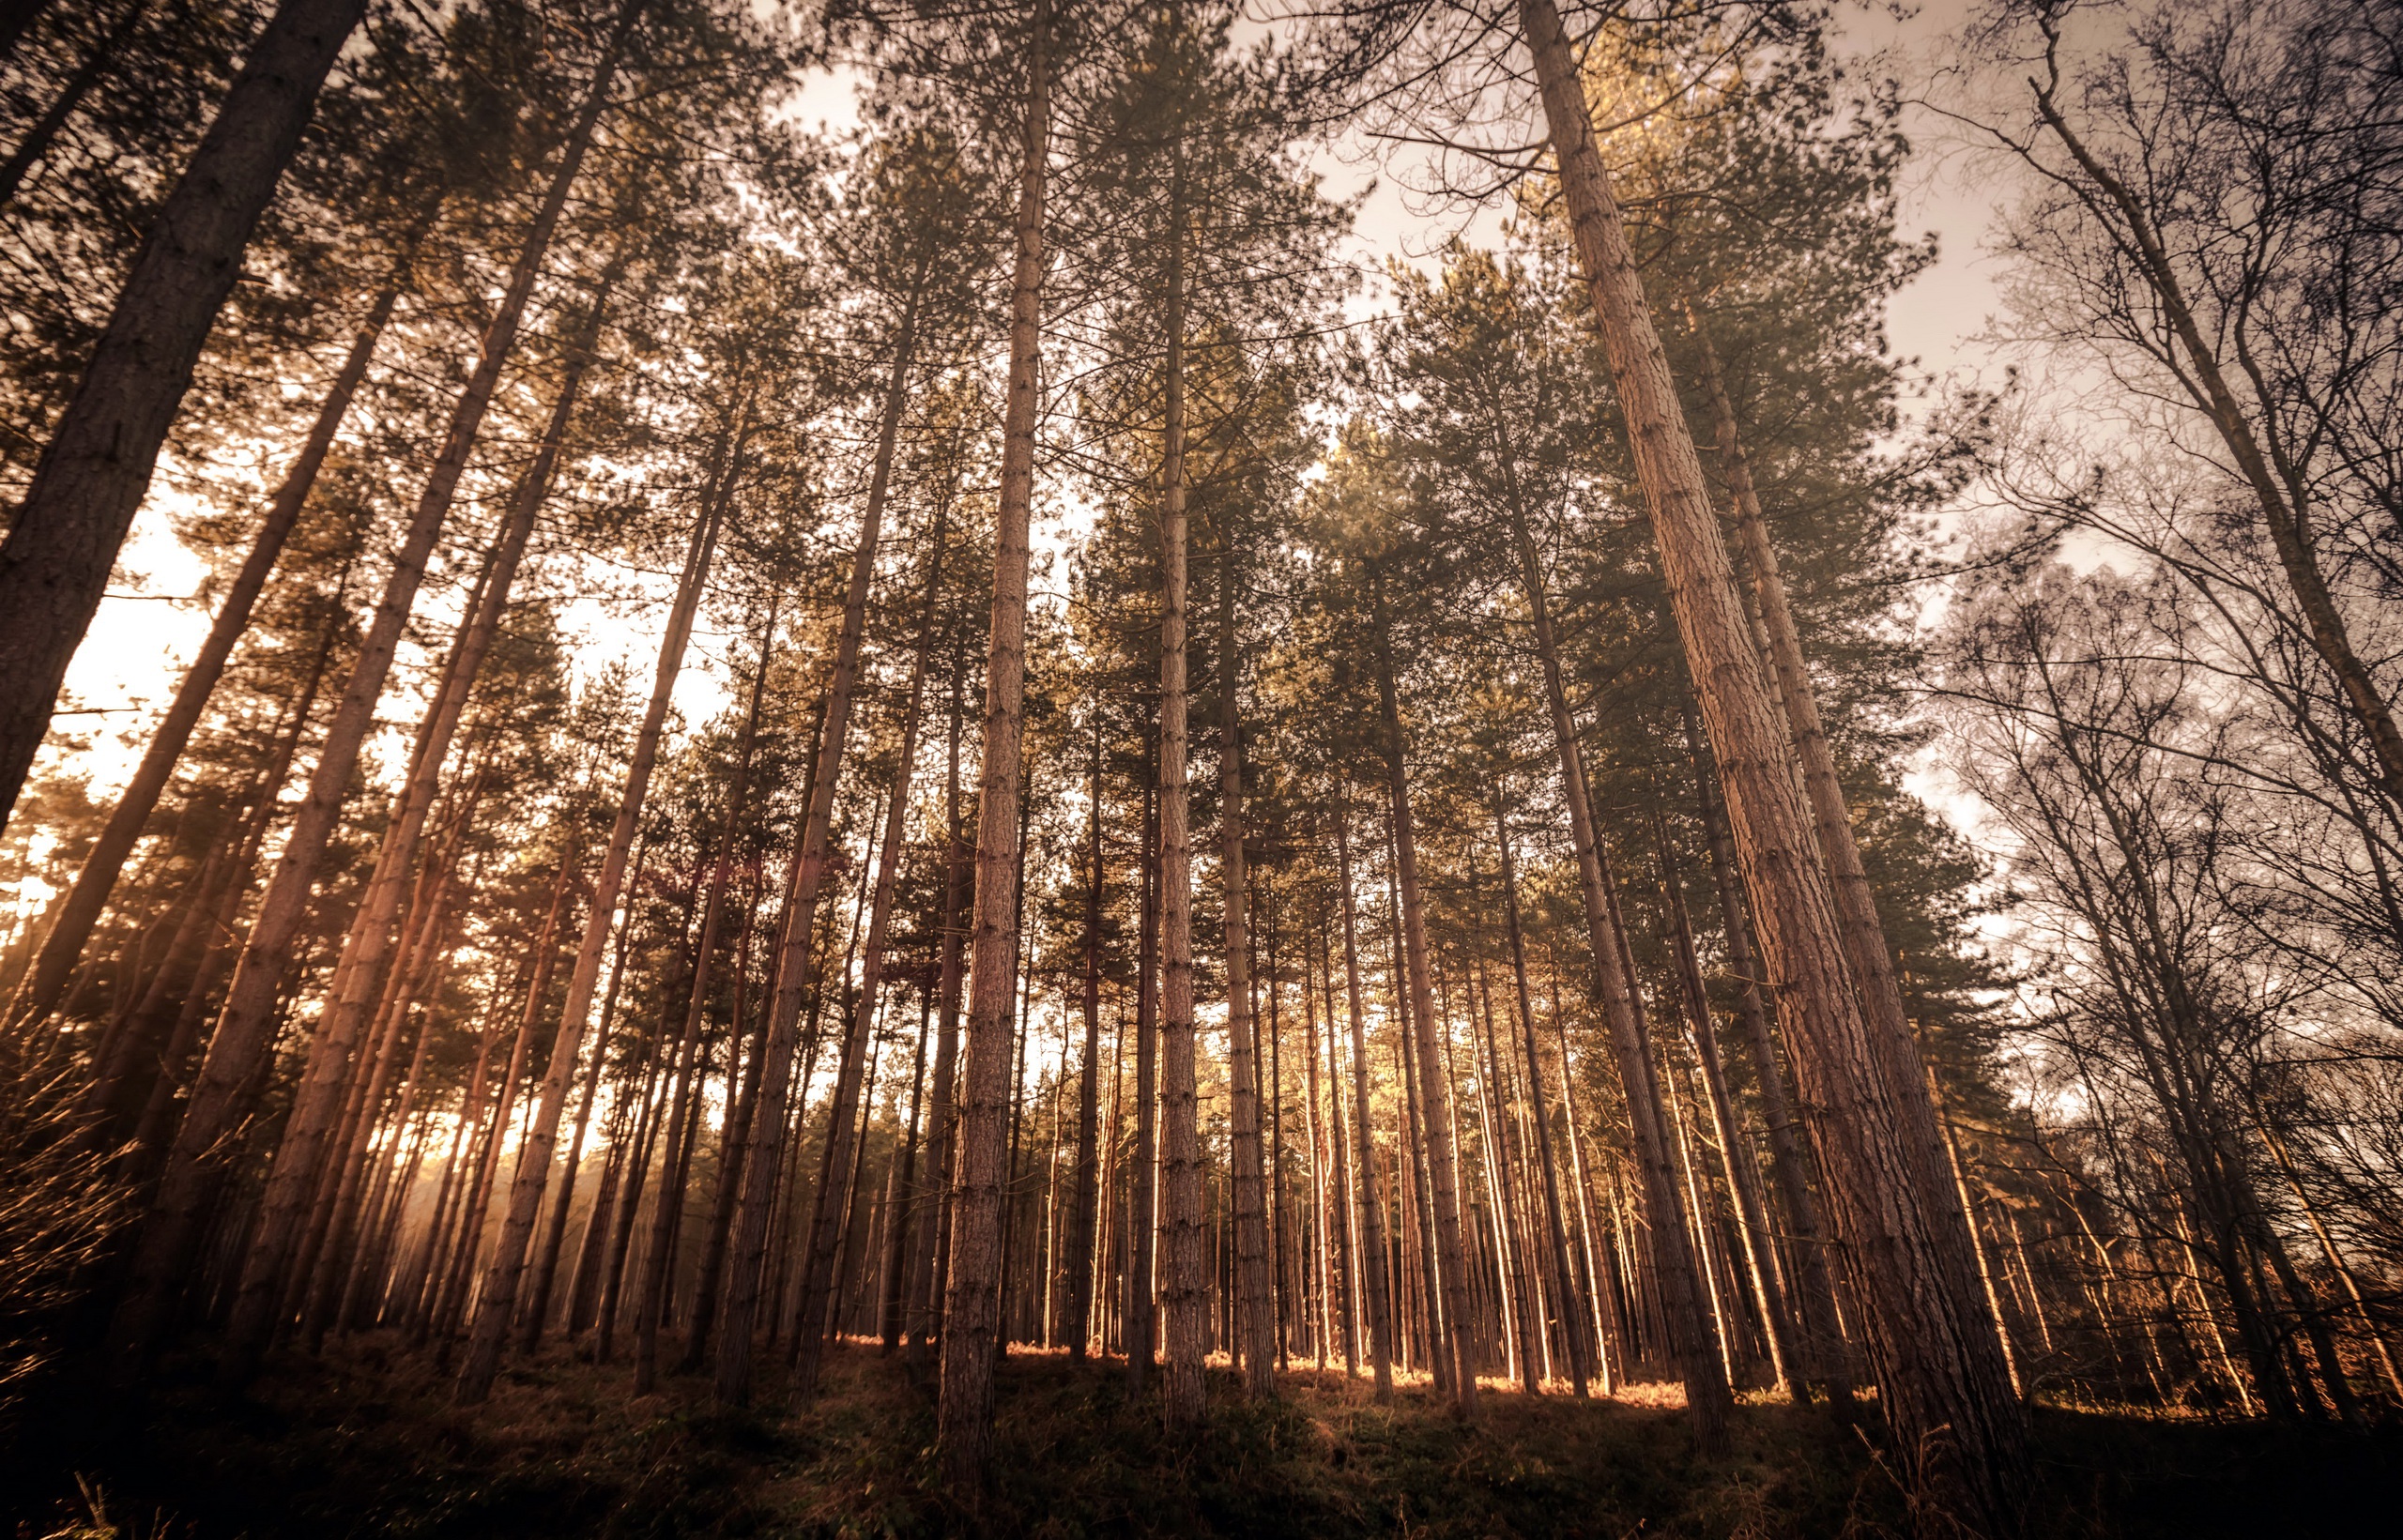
<point x="312" y="1287"/>
<point x="1255" y="1301"/>
<point x="170" y="1234"/>
<point x="1518" y="1312"/>
<point x="928" y="1289"/>
<point x="656" y="1088"/>
<point x="964" y="1418"/>
<point x="2337" y="1263"/>
<point x="1185" y="1263"/>
<point x="1760" y="1258"/>
<point x="1143" y="1199"/>
<point x="1614" y="988"/>
<point x="1564" y="1285"/>
<point x="743" y="1110"/>
<point x="817" y="1269"/>
<point x="1085" y="1204"/>
<point x="1326" y="1166"/>
<point x="1871" y="960"/>
<point x="1822" y="1346"/>
<point x="538" y="1300"/>
<point x="1941" y="1377"/>
<point x="496" y="1305"/>
<point x="96" y="467"/>
<point x="668" y="1209"/>
<point x="901" y="1200"/>
<point x="1434" y="1092"/>
<point x="763" y="1166"/>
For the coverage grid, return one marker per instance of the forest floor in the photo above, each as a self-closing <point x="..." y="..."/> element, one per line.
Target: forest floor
<point x="365" y="1442"/>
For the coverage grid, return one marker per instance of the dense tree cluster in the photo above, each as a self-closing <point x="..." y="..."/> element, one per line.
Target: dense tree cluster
<point x="1150" y="810"/>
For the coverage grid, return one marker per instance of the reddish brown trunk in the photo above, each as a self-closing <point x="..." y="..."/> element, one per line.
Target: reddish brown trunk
<point x="964" y="1417"/>
<point x="1255" y="1298"/>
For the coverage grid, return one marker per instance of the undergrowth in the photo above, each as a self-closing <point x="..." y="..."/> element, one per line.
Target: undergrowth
<point x="366" y="1442"/>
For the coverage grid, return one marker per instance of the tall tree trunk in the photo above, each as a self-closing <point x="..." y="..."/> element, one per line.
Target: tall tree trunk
<point x="169" y="1233"/>
<point x="1941" y="1376"/>
<point x="1573" y="1322"/>
<point x="964" y="1417"/>
<point x="1871" y="961"/>
<point x="902" y="1197"/>
<point x="1434" y="1091"/>
<point x="1822" y="1348"/>
<point x="928" y="1289"/>
<point x="496" y="1305"/>
<point x="1142" y="1201"/>
<point x="1184" y="1264"/>
<point x="1085" y="1202"/>
<point x="668" y="1209"/>
<point x="1255" y="1298"/>
<point x="817" y="1279"/>
<point x="1518" y="1312"/>
<point x="313" y="1282"/>
<point x="1760" y="1259"/>
<point x="743" y="1109"/>
<point x="70" y="924"/>
<point x="1614" y="988"/>
<point x="547" y="1259"/>
<point x="96" y="469"/>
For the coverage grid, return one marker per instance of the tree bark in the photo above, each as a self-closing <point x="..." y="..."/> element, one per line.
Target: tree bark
<point x="1185" y="1265"/>
<point x="1572" y="1322"/>
<point x="964" y="1416"/>
<point x="1085" y="1202"/>
<point x="1376" y="1281"/>
<point x="1941" y="1376"/>
<point x="1760" y="1258"/>
<point x="1822" y="1346"/>
<point x="1255" y="1298"/>
<point x="1612" y="987"/>
<point x="926" y="1291"/>
<point x="96" y="467"/>
<point x="1143" y="1189"/>
<point x="765" y="1162"/>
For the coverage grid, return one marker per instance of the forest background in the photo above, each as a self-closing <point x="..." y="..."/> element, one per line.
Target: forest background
<point x="1906" y="897"/>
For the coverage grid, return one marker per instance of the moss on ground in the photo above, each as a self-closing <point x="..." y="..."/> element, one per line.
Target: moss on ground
<point x="366" y="1442"/>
